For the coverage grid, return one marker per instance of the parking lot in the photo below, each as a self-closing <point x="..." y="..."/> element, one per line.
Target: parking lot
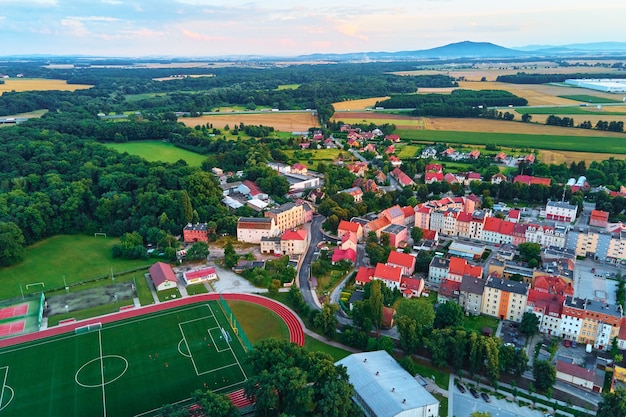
<point x="465" y="404"/>
<point x="591" y="280"/>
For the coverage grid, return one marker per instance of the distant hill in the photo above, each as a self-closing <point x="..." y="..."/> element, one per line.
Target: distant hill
<point x="605" y="47"/>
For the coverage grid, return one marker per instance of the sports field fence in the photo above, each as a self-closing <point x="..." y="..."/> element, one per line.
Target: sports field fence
<point x="234" y="324"/>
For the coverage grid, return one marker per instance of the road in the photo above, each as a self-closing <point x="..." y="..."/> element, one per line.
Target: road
<point x="303" y="276"/>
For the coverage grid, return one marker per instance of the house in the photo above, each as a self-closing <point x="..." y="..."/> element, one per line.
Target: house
<point x="197" y="232"/>
<point x="298" y="168"/>
<point x="382" y="388"/>
<point x="369" y="148"/>
<point x="355" y="192"/>
<point x="429" y="152"/>
<point x="395" y="161"/>
<point x="397" y="235"/>
<point x="199" y="276"/>
<point x="364" y="275"/>
<point x="475" y="154"/>
<point x="348" y="241"/>
<point x="402" y="260"/>
<point x="358" y="168"/>
<point x="504" y="299"/>
<point x="402" y="178"/>
<point x="253" y="190"/>
<point x="380" y="177"/>
<point x="343" y="255"/>
<point x="389" y="275"/>
<point x="599" y="218"/>
<point x="376" y="226"/>
<point x="431" y="177"/>
<point x="438" y="269"/>
<point x="561" y="211"/>
<point x="448" y="152"/>
<point x="395" y="214"/>
<point x="500" y="157"/>
<point x="448" y="291"/>
<point x="386" y="321"/>
<point x="471" y="294"/>
<point x="498" y="178"/>
<point x="350" y="227"/>
<point x="529" y="179"/>
<point x="390" y="150"/>
<point x="433" y="168"/>
<point x="162" y="276"/>
<point x="286" y="216"/>
<point x="411" y="287"/>
<point x="459" y="267"/>
<point x="393" y="138"/>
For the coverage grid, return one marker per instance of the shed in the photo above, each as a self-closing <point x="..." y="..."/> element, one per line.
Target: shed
<point x="162" y="276"/>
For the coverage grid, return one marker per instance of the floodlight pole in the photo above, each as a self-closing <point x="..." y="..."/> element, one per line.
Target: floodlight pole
<point x="21" y="291"/>
<point x="67" y="308"/>
<point x="67" y="289"/>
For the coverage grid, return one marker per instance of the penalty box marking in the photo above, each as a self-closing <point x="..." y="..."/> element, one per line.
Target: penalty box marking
<point x="236" y="363"/>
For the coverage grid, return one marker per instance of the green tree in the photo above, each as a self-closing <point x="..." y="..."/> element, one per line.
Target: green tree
<point x="11" y="244"/>
<point x="529" y="250"/>
<point x="448" y="315"/>
<point x="230" y="256"/>
<point x="409" y="334"/>
<point x="326" y="320"/>
<point x="492" y="358"/>
<point x="375" y="303"/>
<point x="213" y="404"/>
<point x="198" y="251"/>
<point x="613" y="404"/>
<point x="529" y="324"/>
<point x="417" y="234"/>
<point x="544" y="374"/>
<point x="480" y="413"/>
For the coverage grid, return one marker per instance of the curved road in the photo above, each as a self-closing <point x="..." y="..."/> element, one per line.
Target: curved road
<point x="303" y="275"/>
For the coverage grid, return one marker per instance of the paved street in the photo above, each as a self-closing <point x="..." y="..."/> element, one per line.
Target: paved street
<point x="303" y="276"/>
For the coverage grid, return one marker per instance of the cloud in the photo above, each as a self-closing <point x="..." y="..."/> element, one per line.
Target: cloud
<point x="200" y="37"/>
<point x="113" y="2"/>
<point x="94" y="18"/>
<point x="74" y="27"/>
<point x="34" y="2"/>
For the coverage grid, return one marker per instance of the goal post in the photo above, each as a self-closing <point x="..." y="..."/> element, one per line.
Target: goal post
<point x="88" y="328"/>
<point x="99" y="234"/>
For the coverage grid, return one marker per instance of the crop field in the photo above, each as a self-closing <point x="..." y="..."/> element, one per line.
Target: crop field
<point x="288" y="86"/>
<point x="361" y="104"/>
<point x="282" y="121"/>
<point x="158" y="151"/>
<point x="124" y="368"/>
<point x="73" y="257"/>
<point x="39" y="84"/>
<point x="401" y="121"/>
<point x="30" y="114"/>
<point x="559" y="157"/>
<point x="408" y="151"/>
<point x="590" y="99"/>
<point x="577" y="110"/>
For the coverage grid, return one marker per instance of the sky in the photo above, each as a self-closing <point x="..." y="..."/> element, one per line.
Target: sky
<point x="211" y="28"/>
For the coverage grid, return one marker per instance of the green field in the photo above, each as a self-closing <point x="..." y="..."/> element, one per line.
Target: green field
<point x="288" y="86"/>
<point x="73" y="257"/>
<point x="408" y="151"/>
<point x="125" y="368"/>
<point x="317" y="156"/>
<point x="577" y="110"/>
<point x="615" y="145"/>
<point x="154" y="150"/>
<point x="250" y="315"/>
<point x="589" y="99"/>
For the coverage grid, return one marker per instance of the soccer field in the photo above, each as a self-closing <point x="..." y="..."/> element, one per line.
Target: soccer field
<point x="124" y="368"/>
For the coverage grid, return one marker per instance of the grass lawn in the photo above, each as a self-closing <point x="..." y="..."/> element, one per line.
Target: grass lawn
<point x="568" y="143"/>
<point x="155" y="150"/>
<point x="477" y="323"/>
<point x="408" y="151"/>
<point x="443" y="404"/>
<point x="314" y="345"/>
<point x="169" y="294"/>
<point x="589" y="99"/>
<point x="288" y="86"/>
<point x="76" y="258"/>
<point x="89" y="312"/>
<point x="196" y="289"/>
<point x="250" y="316"/>
<point x="426" y="370"/>
<point x="316" y="156"/>
<point x="125" y="368"/>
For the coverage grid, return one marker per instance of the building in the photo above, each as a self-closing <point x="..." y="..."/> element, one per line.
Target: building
<point x="162" y="276"/>
<point x="438" y="269"/>
<point x="402" y="260"/>
<point x="389" y="275"/>
<point x="599" y="218"/>
<point x="397" y="234"/>
<point x="504" y="299"/>
<point x="382" y="388"/>
<point x="197" y="232"/>
<point x="355" y="192"/>
<point x="294" y="242"/>
<point x="471" y="294"/>
<point x="561" y="211"/>
<point x="364" y="275"/>
<point x="459" y="267"/>
<point x="529" y="179"/>
<point x="578" y="376"/>
<point x="448" y="291"/>
<point x="287" y="216"/>
<point x="251" y="190"/>
<point x="402" y="178"/>
<point x="253" y="229"/>
<point x="199" y="276"/>
<point x="591" y="321"/>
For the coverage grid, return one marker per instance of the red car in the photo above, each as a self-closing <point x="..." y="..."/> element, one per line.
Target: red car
<point x="566" y="343"/>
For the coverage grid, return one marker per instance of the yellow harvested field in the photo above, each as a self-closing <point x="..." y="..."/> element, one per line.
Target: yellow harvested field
<point x="283" y="122"/>
<point x="361" y="104"/>
<point x="559" y="157"/>
<point x="39" y="84"/>
<point x="579" y="118"/>
<point x="433" y="90"/>
<point x="401" y="122"/>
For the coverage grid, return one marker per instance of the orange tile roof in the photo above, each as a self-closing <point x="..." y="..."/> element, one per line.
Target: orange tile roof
<point x="492" y="224"/>
<point x="349" y="226"/>
<point x="388" y="273"/>
<point x="364" y="275"/>
<point x="401" y="259"/>
<point x="294" y="235"/>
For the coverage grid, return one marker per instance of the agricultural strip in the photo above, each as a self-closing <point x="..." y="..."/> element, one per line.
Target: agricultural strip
<point x="154" y="151"/>
<point x="39" y="84"/>
<point x="285" y="122"/>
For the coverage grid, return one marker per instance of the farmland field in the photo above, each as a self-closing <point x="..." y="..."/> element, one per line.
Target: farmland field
<point x="316" y="156"/>
<point x="361" y="104"/>
<point x="559" y="157"/>
<point x="73" y="257"/>
<point x="408" y="151"/>
<point x="577" y="110"/>
<point x="285" y="122"/>
<point x="158" y="151"/>
<point x="39" y="84"/>
<point x="591" y="99"/>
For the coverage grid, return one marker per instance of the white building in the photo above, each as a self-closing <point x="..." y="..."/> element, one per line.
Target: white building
<point x="561" y="211"/>
<point x="382" y="388"/>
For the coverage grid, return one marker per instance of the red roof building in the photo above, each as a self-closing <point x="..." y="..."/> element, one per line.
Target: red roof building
<point x="343" y="255"/>
<point x="402" y="178"/>
<point x="402" y="260"/>
<point x="459" y="267"/>
<point x="529" y="179"/>
<point x="411" y="287"/>
<point x="162" y="276"/>
<point x="390" y="275"/>
<point x="434" y="168"/>
<point x="349" y="227"/>
<point x="200" y="275"/>
<point x="431" y="177"/>
<point x="599" y="218"/>
<point x="393" y="138"/>
<point x="448" y="291"/>
<point x="553" y="285"/>
<point x="475" y="154"/>
<point x="364" y="275"/>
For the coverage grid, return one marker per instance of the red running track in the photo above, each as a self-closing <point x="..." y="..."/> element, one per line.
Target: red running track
<point x="296" y="332"/>
<point x="238" y="398"/>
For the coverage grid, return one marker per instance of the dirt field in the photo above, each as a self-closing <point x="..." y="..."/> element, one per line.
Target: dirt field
<point x="558" y="157"/>
<point x="468" y="125"/>
<point x="36" y="84"/>
<point x="283" y="122"/>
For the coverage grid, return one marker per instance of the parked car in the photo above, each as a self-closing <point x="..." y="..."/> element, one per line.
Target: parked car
<point x="566" y="343"/>
<point x="485" y="397"/>
<point x="574" y="344"/>
<point x="474" y="393"/>
<point x="460" y="387"/>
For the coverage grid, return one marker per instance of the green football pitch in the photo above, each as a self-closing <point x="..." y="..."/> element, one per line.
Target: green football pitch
<point x="125" y="368"/>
